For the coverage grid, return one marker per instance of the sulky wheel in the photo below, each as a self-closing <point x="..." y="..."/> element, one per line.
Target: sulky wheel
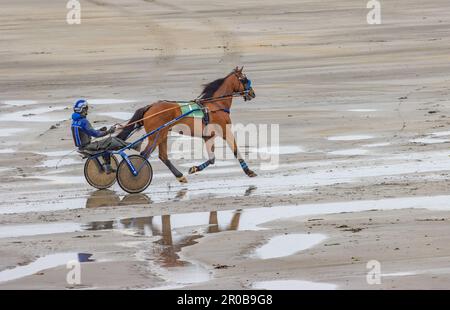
<point x="135" y="184"/>
<point x="96" y="176"/>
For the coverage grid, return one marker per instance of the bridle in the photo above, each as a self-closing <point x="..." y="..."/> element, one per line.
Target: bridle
<point x="246" y="85"/>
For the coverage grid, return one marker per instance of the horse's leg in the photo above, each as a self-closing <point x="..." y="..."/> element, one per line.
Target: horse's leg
<point x="162" y="150"/>
<point x="209" y="143"/>
<point x="152" y="142"/>
<point x="229" y="137"/>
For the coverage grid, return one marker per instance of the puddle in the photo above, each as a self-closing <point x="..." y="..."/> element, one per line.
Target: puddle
<point x="350" y="138"/>
<point x="8" y="132"/>
<point x="13" y="231"/>
<point x="251" y="219"/>
<point x="296" y="181"/>
<point x="7" y="151"/>
<point x="118" y="115"/>
<point x="180" y="230"/>
<point x="166" y="287"/>
<point x="350" y="152"/>
<point x="190" y="274"/>
<point x="19" y="103"/>
<point x="280" y="150"/>
<point x="292" y="285"/>
<point x="212" y="170"/>
<point x="441" y="133"/>
<point x="285" y="245"/>
<point x="51" y="163"/>
<point x="292" y="182"/>
<point x="377" y="144"/>
<point x="41" y="206"/>
<point x="218" y="163"/>
<point x="43" y="263"/>
<point x="177" y="231"/>
<point x="399" y="274"/>
<point x="429" y="140"/>
<point x="57" y="153"/>
<point x="64" y="179"/>
<point x="108" y="198"/>
<point x="194" y="147"/>
<point x="362" y="110"/>
<point x="433" y="271"/>
<point x="165" y="225"/>
<point x="109" y="101"/>
<point x="99" y="198"/>
<point x="34" y="115"/>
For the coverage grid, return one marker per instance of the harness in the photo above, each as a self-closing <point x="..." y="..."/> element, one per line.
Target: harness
<point x="206" y="112"/>
<point x="245" y="82"/>
<point x="247" y="86"/>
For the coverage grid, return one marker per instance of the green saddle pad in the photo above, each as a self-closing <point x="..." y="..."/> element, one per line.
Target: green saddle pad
<point x="186" y="107"/>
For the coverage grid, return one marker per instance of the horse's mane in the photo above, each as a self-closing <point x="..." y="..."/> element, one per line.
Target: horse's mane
<point x="210" y="88"/>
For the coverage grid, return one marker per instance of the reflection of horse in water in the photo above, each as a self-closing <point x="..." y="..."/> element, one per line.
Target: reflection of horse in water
<point x="170" y="246"/>
<point x="167" y="253"/>
<point x="169" y="256"/>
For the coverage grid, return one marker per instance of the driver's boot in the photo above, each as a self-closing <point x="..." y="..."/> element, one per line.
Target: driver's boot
<point x="108" y="168"/>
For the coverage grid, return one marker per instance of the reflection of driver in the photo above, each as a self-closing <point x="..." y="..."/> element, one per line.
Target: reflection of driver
<point x="103" y="198"/>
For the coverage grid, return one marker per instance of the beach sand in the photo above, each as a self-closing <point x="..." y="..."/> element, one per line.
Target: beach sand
<point x="363" y="162"/>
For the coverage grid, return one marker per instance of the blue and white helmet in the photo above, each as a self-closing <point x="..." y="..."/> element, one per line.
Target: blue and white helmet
<point x="80" y="105"/>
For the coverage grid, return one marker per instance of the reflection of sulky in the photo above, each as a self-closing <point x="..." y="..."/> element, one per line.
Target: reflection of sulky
<point x="108" y="198"/>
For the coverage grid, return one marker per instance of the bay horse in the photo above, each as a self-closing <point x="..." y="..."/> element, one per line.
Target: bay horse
<point x="215" y="99"/>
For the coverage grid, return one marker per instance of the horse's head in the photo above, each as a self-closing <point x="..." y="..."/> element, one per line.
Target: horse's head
<point x="243" y="84"/>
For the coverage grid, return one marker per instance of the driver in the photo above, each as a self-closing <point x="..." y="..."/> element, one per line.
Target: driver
<point x="82" y="131"/>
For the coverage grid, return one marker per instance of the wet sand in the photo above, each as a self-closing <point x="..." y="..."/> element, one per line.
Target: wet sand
<point x="364" y="133"/>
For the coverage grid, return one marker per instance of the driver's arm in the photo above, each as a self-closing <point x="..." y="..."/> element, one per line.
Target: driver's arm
<point x="87" y="127"/>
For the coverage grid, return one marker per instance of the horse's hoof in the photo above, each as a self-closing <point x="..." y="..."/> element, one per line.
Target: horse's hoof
<point x="182" y="179"/>
<point x="251" y="174"/>
<point x="193" y="169"/>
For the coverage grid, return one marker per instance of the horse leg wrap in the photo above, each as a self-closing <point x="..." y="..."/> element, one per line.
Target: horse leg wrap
<point x="243" y="165"/>
<point x="198" y="168"/>
<point x="246" y="169"/>
<point x="203" y="166"/>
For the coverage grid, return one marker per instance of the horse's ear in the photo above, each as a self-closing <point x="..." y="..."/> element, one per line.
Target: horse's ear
<point x="242" y="68"/>
<point x="236" y="69"/>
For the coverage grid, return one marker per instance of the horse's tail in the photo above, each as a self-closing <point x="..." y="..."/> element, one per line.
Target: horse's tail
<point x="133" y="123"/>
